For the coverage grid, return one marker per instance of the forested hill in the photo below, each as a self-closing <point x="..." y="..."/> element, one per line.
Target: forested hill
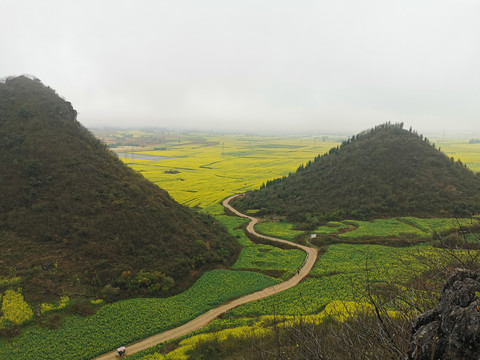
<point x="75" y="220"/>
<point x="383" y="172"/>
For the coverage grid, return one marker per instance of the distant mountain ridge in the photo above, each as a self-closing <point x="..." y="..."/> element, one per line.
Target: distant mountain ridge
<point x="382" y="172"/>
<point x="75" y="220"/>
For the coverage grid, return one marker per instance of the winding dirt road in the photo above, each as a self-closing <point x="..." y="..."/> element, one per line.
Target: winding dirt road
<point x="207" y="317"/>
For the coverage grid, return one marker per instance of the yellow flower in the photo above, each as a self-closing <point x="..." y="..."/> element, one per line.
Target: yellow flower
<point x="15" y="308"/>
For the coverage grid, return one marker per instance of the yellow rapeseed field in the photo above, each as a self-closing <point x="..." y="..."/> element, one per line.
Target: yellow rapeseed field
<point x="462" y="150"/>
<point x="207" y="168"/>
<point x="264" y="327"/>
<point x="203" y="172"/>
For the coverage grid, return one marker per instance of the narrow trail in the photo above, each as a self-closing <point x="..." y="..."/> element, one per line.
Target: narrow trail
<point x="204" y="319"/>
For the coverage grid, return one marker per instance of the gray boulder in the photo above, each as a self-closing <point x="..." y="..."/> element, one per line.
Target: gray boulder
<point x="451" y="330"/>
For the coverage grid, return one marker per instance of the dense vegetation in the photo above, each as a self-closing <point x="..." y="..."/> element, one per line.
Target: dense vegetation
<point x="75" y="220"/>
<point x="383" y="172"/>
<point x="359" y="302"/>
<point x="129" y="320"/>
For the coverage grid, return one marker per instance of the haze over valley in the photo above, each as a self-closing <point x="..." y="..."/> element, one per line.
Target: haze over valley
<point x="250" y="66"/>
<point x="256" y="180"/>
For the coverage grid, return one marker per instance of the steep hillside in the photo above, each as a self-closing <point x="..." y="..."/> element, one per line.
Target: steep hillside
<point x="75" y="220"/>
<point x="382" y="172"/>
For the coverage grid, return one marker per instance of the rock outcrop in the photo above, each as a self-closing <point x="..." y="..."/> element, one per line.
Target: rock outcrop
<point x="451" y="330"/>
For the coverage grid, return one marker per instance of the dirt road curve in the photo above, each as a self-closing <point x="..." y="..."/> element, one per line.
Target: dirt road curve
<point x="205" y="318"/>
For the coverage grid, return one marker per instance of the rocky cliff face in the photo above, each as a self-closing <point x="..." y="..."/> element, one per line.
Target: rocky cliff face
<point x="451" y="330"/>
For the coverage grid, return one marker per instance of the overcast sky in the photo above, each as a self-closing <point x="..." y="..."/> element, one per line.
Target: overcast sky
<point x="306" y="66"/>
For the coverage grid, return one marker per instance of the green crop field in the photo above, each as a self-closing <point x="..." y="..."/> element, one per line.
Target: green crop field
<point x="405" y="227"/>
<point x="337" y="275"/>
<point x="263" y="258"/>
<point x="332" y="227"/>
<point x="308" y="297"/>
<point x="126" y="321"/>
<point x="350" y="259"/>
<point x="439" y="225"/>
<point x="270" y="259"/>
<point x="233" y="225"/>
<point x="381" y="228"/>
<point x="280" y="229"/>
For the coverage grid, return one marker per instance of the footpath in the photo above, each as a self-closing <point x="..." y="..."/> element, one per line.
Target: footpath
<point x="204" y="319"/>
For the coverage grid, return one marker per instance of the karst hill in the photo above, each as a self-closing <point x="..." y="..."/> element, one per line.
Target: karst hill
<point x="75" y="220"/>
<point x="383" y="172"/>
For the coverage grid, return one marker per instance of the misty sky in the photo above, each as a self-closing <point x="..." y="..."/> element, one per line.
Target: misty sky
<point x="289" y="66"/>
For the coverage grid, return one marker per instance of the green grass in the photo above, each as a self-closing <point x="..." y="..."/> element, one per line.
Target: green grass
<point x="280" y="229"/>
<point x="126" y="321"/>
